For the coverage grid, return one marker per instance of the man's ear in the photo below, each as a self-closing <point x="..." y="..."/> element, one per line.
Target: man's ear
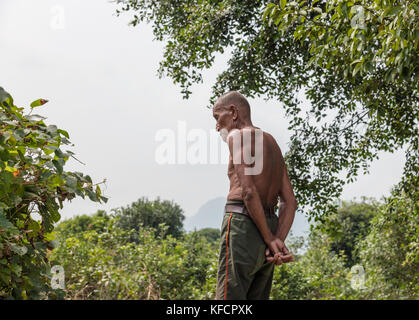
<point x="234" y="111"/>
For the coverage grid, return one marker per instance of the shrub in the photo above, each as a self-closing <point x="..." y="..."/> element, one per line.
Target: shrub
<point x="32" y="181"/>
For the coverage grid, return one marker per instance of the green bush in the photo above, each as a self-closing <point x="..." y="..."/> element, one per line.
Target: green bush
<point x="81" y="223"/>
<point x="319" y="273"/>
<point x="349" y="225"/>
<point x="108" y="265"/>
<point x="151" y="214"/>
<point x="101" y="261"/>
<point x="32" y="181"/>
<point x="211" y="234"/>
<point x="390" y="252"/>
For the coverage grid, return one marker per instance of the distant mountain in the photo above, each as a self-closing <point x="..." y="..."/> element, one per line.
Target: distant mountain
<point x="210" y="215"/>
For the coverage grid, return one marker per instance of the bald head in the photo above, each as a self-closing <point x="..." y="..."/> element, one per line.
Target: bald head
<point x="236" y="99"/>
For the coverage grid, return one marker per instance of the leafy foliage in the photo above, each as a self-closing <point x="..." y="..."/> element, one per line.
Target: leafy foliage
<point x="211" y="234"/>
<point x="318" y="274"/>
<point x="151" y="214"/>
<point x="348" y="226"/>
<point x="107" y="265"/>
<point x="355" y="62"/>
<point x="365" y="55"/>
<point x="32" y="180"/>
<point x="81" y="223"/>
<point x="101" y="262"/>
<point x="351" y="37"/>
<point x="387" y="250"/>
<point x="390" y="252"/>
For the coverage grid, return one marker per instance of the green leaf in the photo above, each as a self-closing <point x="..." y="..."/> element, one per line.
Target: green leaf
<point x="64" y="133"/>
<point x="268" y="10"/>
<point x="20" y="250"/>
<point x="5" y="224"/>
<point x="58" y="165"/>
<point x="34" y="226"/>
<point x="4" y="95"/>
<point x="38" y="103"/>
<point x="5" y="274"/>
<point x="319" y="10"/>
<point x="16" y="269"/>
<point x="283" y="3"/>
<point x="55" y="215"/>
<point x="31" y="195"/>
<point x="392" y="10"/>
<point x="91" y="195"/>
<point x="60" y="154"/>
<point x="54" y="243"/>
<point x="51" y="147"/>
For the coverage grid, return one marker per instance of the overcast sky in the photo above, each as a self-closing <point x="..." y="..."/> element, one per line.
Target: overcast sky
<point x="100" y="77"/>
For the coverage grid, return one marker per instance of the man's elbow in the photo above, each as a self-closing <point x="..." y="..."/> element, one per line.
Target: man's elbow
<point x="292" y="204"/>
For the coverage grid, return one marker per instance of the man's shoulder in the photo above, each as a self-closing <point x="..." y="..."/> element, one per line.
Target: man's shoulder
<point x="241" y="131"/>
<point x="247" y="132"/>
<point x="243" y="134"/>
<point x="271" y="137"/>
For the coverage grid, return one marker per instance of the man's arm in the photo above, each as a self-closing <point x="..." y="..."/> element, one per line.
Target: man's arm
<point x="251" y="197"/>
<point x="287" y="208"/>
<point x="288" y="203"/>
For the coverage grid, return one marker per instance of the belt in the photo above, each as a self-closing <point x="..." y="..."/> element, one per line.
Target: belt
<point x="238" y="206"/>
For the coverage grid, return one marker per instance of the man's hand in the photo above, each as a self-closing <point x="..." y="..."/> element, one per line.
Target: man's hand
<point x="277" y="252"/>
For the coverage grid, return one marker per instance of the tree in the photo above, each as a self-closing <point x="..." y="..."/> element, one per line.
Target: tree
<point x="146" y="213"/>
<point x="107" y="265"/>
<point x="390" y="252"/>
<point x="349" y="226"/>
<point x="355" y="62"/>
<point x="32" y="181"/>
<point x="77" y="224"/>
<point x="211" y="234"/>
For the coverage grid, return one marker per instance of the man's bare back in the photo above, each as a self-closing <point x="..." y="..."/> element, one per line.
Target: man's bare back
<point x="268" y="182"/>
<point x="264" y="188"/>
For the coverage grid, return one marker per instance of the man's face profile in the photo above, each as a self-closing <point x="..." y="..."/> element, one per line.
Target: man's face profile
<point x="224" y="120"/>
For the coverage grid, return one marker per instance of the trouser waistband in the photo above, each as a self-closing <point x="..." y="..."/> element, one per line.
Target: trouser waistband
<point x="238" y="206"/>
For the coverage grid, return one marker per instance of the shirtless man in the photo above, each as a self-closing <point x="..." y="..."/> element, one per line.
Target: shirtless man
<point x="252" y="235"/>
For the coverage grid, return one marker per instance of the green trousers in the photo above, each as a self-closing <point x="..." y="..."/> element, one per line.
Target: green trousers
<point x="243" y="272"/>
